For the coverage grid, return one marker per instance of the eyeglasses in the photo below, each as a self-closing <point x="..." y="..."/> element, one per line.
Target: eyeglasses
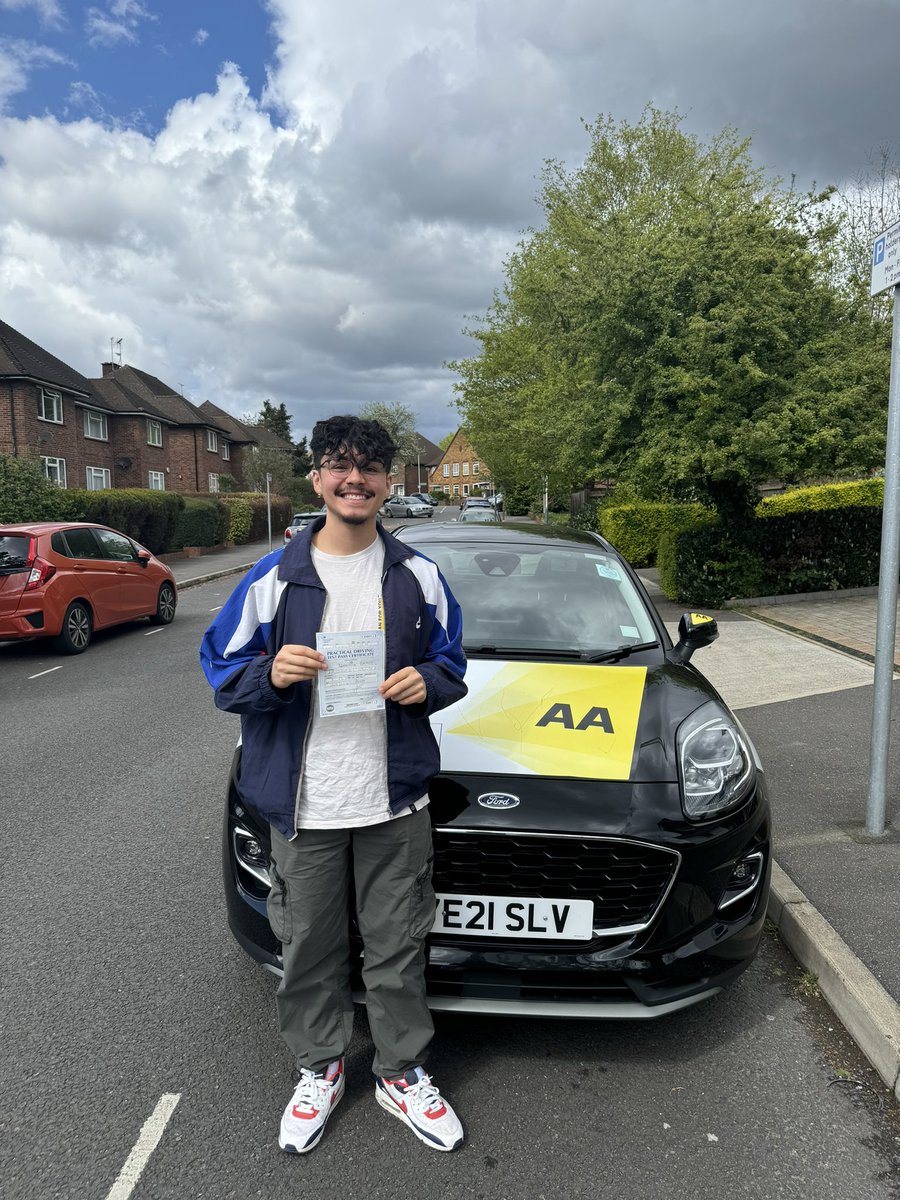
<point x="343" y="466"/>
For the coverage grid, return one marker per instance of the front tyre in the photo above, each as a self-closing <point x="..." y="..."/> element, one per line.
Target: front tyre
<point x="165" y="606"/>
<point x="77" y="627"/>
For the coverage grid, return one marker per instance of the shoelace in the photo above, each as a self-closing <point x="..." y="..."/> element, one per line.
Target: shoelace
<point x="424" y="1094"/>
<point x="313" y="1091"/>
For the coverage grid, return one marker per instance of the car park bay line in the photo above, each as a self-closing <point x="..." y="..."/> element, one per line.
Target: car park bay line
<point x="49" y="671"/>
<point x="150" y="632"/>
<point x="148" y="1140"/>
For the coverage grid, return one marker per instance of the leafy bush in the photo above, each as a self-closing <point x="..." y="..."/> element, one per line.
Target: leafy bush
<point x="282" y="511"/>
<point x="202" y="522"/>
<point x="636" y="529"/>
<point x="150" y="517"/>
<point x="240" y="516"/>
<point x="816" y="550"/>
<point x="860" y="492"/>
<point x="25" y="492"/>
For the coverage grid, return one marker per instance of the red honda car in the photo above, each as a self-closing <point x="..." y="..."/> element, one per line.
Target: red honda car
<point x="65" y="579"/>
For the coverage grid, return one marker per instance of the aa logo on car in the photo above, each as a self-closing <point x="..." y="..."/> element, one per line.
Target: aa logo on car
<point x="547" y="719"/>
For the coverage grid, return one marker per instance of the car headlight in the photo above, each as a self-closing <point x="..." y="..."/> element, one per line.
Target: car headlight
<point x="714" y="762"/>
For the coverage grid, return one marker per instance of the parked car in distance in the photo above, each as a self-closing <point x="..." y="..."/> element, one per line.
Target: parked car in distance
<point x="602" y="838"/>
<point x="479" y="515"/>
<point x="426" y="499"/>
<point x="406" y="506"/>
<point x="476" y="502"/>
<point x="300" y="521"/>
<point x="64" y="580"/>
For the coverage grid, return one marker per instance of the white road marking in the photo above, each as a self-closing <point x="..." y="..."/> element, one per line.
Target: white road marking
<point x="47" y="672"/>
<point x="151" y="632"/>
<point x="148" y="1140"/>
<point x="221" y="606"/>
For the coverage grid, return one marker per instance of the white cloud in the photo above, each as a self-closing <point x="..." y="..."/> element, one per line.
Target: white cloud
<point x="49" y="11"/>
<point x="331" y="256"/>
<point x="118" y="23"/>
<point x="18" y="59"/>
<point x="200" y="37"/>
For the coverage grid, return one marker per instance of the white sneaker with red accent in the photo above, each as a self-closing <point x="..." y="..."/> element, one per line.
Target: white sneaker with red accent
<point x="314" y="1100"/>
<point x="417" y="1102"/>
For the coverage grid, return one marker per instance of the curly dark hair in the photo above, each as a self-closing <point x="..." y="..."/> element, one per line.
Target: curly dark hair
<point x="368" y="441"/>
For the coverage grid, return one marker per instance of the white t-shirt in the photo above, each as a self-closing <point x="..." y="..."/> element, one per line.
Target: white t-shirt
<point x="344" y="780"/>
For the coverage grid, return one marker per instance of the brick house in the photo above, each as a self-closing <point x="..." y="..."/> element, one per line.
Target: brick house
<point x="125" y="429"/>
<point x="415" y="475"/>
<point x="460" y="470"/>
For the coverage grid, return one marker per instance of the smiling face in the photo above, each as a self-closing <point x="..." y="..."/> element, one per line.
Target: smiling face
<point x="352" y="488"/>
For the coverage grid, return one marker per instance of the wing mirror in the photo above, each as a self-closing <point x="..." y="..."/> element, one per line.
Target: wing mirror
<point x="695" y="630"/>
<point x="143" y="557"/>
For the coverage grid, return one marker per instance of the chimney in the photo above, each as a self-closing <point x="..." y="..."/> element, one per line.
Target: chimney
<point x="108" y="369"/>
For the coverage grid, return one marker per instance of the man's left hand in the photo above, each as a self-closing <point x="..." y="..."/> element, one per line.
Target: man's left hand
<point x="405" y="687"/>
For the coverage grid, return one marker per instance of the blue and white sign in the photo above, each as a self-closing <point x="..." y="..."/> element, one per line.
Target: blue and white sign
<point x="886" y="260"/>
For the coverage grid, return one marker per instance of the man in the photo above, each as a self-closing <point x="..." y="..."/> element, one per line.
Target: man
<point x="345" y="795"/>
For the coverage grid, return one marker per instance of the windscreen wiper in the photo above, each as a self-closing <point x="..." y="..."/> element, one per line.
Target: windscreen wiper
<point x="619" y="652"/>
<point x="522" y="652"/>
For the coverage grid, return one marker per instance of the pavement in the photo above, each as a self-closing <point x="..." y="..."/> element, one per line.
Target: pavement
<point x="797" y="671"/>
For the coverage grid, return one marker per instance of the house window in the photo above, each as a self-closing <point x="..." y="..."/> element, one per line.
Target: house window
<point x="212" y="440"/>
<point x="55" y="470"/>
<point x="158" y="481"/>
<point x="154" y="433"/>
<point x="474" y="468"/>
<point x="95" y="425"/>
<point x="50" y="406"/>
<point x="97" y="478"/>
<point x="446" y="470"/>
<point x="465" y="468"/>
<point x="465" y="489"/>
<point x="456" y="472"/>
<point x="226" y="450"/>
<point x="213" y="482"/>
<point x="456" y="489"/>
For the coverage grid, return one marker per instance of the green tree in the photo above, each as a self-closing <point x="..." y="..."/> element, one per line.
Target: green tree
<point x="274" y="417"/>
<point x="25" y="492"/>
<point x="675" y="325"/>
<point x="400" y="422"/>
<point x="301" y="459"/>
<point x="446" y="440"/>
<point x="260" y="460"/>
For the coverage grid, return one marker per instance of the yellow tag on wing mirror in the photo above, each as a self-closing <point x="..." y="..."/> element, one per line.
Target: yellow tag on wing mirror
<point x="695" y="630"/>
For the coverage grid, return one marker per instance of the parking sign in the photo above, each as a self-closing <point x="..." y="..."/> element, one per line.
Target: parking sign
<point x="886" y="260"/>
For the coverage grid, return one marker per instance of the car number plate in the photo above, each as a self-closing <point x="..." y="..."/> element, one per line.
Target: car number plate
<point x="514" y="917"/>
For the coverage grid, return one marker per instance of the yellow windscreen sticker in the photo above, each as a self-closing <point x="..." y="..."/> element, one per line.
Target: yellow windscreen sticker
<point x="700" y="618"/>
<point x="558" y="719"/>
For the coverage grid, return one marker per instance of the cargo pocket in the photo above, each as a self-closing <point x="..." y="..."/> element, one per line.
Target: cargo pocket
<point x="421" y="902"/>
<point x="278" y="909"/>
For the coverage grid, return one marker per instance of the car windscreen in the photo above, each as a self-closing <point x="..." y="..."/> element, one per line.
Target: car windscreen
<point x="542" y="597"/>
<point x="13" y="552"/>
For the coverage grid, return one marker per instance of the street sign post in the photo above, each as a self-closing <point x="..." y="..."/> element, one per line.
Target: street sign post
<point x="269" y="507"/>
<point x="886" y="274"/>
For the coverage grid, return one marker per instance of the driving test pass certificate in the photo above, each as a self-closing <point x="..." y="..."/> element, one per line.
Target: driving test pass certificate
<point x="355" y="669"/>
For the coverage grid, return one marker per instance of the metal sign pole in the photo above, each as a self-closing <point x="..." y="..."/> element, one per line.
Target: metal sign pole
<point x="887" y="597"/>
<point x="269" y="508"/>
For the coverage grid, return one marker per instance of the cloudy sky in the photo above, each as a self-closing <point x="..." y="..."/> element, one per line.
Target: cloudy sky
<point x="305" y="199"/>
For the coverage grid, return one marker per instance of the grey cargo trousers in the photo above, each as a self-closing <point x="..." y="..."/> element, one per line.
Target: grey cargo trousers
<point x="388" y="868"/>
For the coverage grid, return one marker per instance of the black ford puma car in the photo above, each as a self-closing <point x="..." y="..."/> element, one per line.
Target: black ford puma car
<point x="601" y="824"/>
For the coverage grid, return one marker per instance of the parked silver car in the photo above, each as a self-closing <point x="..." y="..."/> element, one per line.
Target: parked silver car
<point x="406" y="506"/>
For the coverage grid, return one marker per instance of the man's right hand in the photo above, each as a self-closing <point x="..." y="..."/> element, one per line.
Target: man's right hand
<point x="294" y="663"/>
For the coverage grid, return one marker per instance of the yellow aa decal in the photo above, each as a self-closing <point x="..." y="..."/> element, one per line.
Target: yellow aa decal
<point x="554" y="719"/>
<point x="700" y="618"/>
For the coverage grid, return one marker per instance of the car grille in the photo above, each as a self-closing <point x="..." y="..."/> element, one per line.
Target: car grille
<point x="627" y="881"/>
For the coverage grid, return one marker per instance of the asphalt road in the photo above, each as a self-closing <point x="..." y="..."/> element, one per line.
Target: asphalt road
<point x="121" y="985"/>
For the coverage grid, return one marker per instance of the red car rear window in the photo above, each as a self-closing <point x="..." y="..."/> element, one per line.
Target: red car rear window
<point x="13" y="551"/>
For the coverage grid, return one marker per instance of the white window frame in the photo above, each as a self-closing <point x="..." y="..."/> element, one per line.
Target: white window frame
<point x="56" y="400"/>
<point x="212" y="441"/>
<point x="91" y="482"/>
<point x="59" y="466"/>
<point x="465" y="468"/>
<point x="475" y="468"/>
<point x="156" y="481"/>
<point x="455" y="470"/>
<point x="91" y="414"/>
<point x="446" y="470"/>
<point x="456" y="489"/>
<point x="213" y="481"/>
<point x="154" y="432"/>
<point x="226" y="450"/>
<point x="465" y="489"/>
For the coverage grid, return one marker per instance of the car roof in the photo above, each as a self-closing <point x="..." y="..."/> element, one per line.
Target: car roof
<point x="37" y="527"/>
<point x="507" y="533"/>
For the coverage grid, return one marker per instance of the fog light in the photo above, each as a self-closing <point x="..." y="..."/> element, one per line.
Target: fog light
<point x="745" y="876"/>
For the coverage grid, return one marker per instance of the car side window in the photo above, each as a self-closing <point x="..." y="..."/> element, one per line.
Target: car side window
<point x="116" y="545"/>
<point x="82" y="543"/>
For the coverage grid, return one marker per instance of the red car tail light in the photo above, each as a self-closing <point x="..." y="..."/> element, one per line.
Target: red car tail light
<point x="287" y="532"/>
<point x="41" y="571"/>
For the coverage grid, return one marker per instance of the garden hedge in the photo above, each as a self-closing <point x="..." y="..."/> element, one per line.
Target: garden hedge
<point x="150" y="517"/>
<point x="202" y="522"/>
<point x="635" y="529"/>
